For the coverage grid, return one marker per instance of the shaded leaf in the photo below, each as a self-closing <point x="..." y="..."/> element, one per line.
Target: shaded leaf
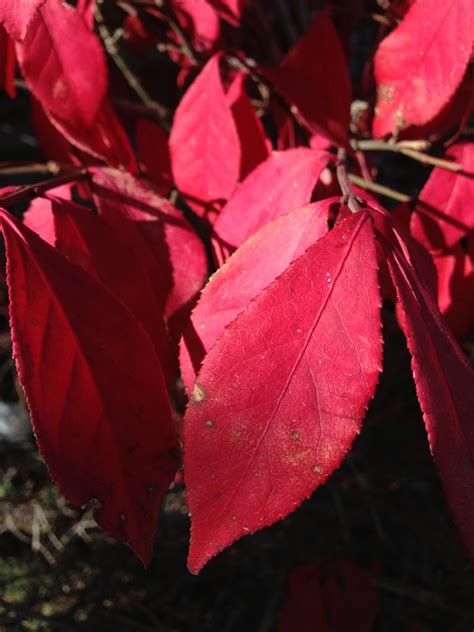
<point x="281" y="395"/>
<point x="94" y="388"/>
<point x="53" y="144"/>
<point x="445" y="387"/>
<point x="106" y="252"/>
<point x="174" y="255"/>
<point x="105" y="139"/>
<point x="254" y="145"/>
<point x="456" y="289"/>
<point x="7" y="61"/>
<point x="336" y="599"/>
<point x="445" y="212"/>
<point x="153" y="154"/>
<point x="315" y="82"/>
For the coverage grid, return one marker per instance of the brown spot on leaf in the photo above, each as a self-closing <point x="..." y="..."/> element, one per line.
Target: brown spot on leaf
<point x="60" y="89"/>
<point x="198" y="394"/>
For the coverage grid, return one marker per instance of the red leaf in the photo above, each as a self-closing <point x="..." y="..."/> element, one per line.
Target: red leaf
<point x="456" y="289"/>
<point x="153" y="154"/>
<point x="452" y="118"/>
<point x="199" y="20"/>
<point x="64" y="64"/>
<point x="104" y="139"/>
<point x="204" y="145"/>
<point x="421" y="63"/>
<point x="7" y="68"/>
<point x="320" y="91"/>
<point x="175" y="256"/>
<point x="105" y="250"/>
<point x="282" y="183"/>
<point x="17" y="16"/>
<point x="445" y="210"/>
<point x="281" y="395"/>
<point x="330" y="601"/>
<point x="254" y="145"/>
<point x="445" y="387"/>
<point x="94" y="388"/>
<point x="230" y="10"/>
<point x="256" y="264"/>
<point x="85" y="8"/>
<point x="53" y="144"/>
<point x="39" y="216"/>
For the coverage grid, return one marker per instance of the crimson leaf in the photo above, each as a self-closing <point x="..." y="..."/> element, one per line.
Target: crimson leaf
<point x="94" y="387"/>
<point x="204" y="144"/>
<point x="282" y="183"/>
<point x="64" y="64"/>
<point x="252" y="267"/>
<point x="421" y="63"/>
<point x="445" y="387"/>
<point x="281" y="395"/>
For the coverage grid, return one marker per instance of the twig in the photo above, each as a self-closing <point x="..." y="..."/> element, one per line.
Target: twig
<point x="48" y="168"/>
<point x="111" y="47"/>
<point x="411" y="149"/>
<point x="378" y="188"/>
<point x="345" y="184"/>
<point x="11" y="526"/>
<point x="182" y="38"/>
<point x="43" y="520"/>
<point x="30" y="190"/>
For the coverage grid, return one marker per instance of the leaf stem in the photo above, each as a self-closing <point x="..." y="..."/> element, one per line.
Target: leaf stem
<point x="345" y="183"/>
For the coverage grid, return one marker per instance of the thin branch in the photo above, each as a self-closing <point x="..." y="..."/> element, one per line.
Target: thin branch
<point x="426" y="159"/>
<point x="186" y="46"/>
<point x="411" y="149"/>
<point x="49" y="168"/>
<point x="30" y="190"/>
<point x="111" y="47"/>
<point x="378" y="188"/>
